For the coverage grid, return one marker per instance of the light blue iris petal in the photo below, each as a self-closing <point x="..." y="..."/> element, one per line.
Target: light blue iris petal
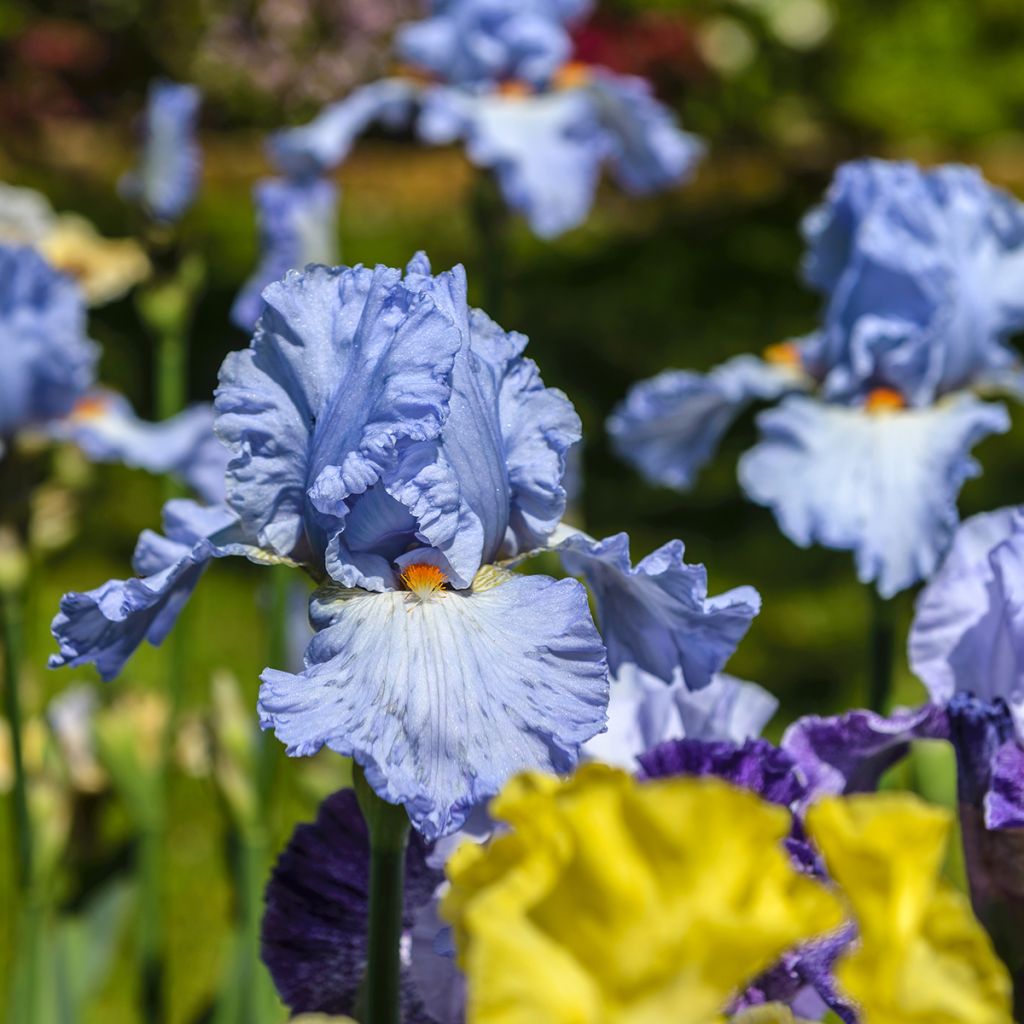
<point x="298" y="226"/>
<point x="323" y="143"/>
<point x="938" y="256"/>
<point x="643" y="711"/>
<point x="47" y="363"/>
<point x="26" y="216"/>
<point x="648" y="149"/>
<point x="443" y="701"/>
<point x="346" y="365"/>
<point x="658" y="615"/>
<point x="883" y="485"/>
<point x="483" y="41"/>
<point x="668" y="427"/>
<point x="968" y="630"/>
<point x="545" y="150"/>
<point x="106" y="625"/>
<point x="168" y="175"/>
<point x="107" y="429"/>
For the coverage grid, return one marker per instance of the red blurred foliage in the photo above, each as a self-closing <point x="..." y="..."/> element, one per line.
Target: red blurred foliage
<point x="657" y="45"/>
<point x="63" y="46"/>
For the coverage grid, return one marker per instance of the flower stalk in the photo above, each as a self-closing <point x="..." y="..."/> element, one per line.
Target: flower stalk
<point x="388" y="826"/>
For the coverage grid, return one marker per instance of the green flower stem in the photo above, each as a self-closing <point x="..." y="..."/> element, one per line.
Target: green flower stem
<point x="150" y="923"/>
<point x="882" y="650"/>
<point x="252" y="982"/>
<point x="11" y="608"/>
<point x="491" y="220"/>
<point x="388" y="826"/>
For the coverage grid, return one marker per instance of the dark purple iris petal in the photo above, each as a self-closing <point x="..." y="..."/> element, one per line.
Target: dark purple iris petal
<point x="314" y="927"/>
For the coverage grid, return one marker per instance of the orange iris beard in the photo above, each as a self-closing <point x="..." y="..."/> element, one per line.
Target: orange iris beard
<point x="884" y="400"/>
<point x="423" y="580"/>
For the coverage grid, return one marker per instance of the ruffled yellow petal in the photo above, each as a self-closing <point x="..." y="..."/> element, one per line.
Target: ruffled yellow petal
<point x="923" y="958"/>
<point x="105" y="268"/>
<point x="618" y="902"/>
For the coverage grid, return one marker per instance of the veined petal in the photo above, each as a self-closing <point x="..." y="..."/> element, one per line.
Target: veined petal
<point x="1004" y="802"/>
<point x="324" y="143"/>
<point x="658" y="615"/>
<point x="883" y="485"/>
<point x="104" y="425"/>
<point x="298" y="226"/>
<point x="104" y="626"/>
<point x="346" y="364"/>
<point x="968" y="630"/>
<point x="648" y="149"/>
<point x="546" y="150"/>
<point x="442" y="700"/>
<point x="668" y="427"/>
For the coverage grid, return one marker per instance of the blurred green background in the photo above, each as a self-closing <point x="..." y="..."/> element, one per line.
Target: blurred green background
<point x="783" y="90"/>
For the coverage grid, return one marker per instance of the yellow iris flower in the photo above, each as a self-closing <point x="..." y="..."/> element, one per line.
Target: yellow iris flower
<point x="618" y="902"/>
<point x="923" y="957"/>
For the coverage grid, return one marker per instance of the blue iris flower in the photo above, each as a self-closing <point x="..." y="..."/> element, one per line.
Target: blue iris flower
<point x="167" y="177"/>
<point x="502" y="83"/>
<point x="922" y="272"/>
<point x="397" y="445"/>
<point x="298" y="226"/>
<point x="47" y="362"/>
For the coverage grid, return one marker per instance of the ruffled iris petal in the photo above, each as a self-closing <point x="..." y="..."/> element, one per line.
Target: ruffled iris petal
<point x="314" y="926"/>
<point x="323" y="143"/>
<point x="47" y="362"/>
<point x="104" y="626"/>
<point x="168" y="174"/>
<point x="648" y="151"/>
<point x="657" y="615"/>
<point x="882" y="485"/>
<point x="643" y="711"/>
<point x="442" y="701"/>
<point x="668" y="427"/>
<point x="968" y="629"/>
<point x="546" y="150"/>
<point x="1004" y="803"/>
<point x="298" y="225"/>
<point x="346" y="364"/>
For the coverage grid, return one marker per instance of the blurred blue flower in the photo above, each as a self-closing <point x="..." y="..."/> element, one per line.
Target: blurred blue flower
<point x="657" y="615"/>
<point x="473" y="42"/>
<point x="923" y="273"/>
<point x="104" y="425"/>
<point x="501" y="81"/>
<point x="396" y="444"/>
<point x="47" y="362"/>
<point x="314" y="925"/>
<point x="167" y="176"/>
<point x="298" y="226"/>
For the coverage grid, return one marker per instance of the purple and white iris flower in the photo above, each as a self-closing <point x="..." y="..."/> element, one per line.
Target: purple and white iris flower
<point x="922" y="274"/>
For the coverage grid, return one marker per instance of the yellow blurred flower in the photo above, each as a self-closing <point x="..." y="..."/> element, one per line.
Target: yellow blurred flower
<point x="769" y="1013"/>
<point x="618" y="902"/>
<point x="105" y="268"/>
<point x="923" y="957"/>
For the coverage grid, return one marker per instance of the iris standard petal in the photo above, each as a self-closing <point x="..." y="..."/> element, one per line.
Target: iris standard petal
<point x="104" y="626"/>
<point x="658" y="615"/>
<point x="317" y="900"/>
<point x="668" y="427"/>
<point x="849" y="753"/>
<point x="883" y="485"/>
<point x="298" y="226"/>
<point x="938" y="255"/>
<point x="346" y="364"/>
<point x="323" y="143"/>
<point x="468" y="42"/>
<point x="47" y="362"/>
<point x="643" y="711"/>
<point x="648" y="151"/>
<point x="167" y="177"/>
<point x="968" y="630"/>
<point x="442" y="700"/>
<point x="104" y="425"/>
<point x="546" y="150"/>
